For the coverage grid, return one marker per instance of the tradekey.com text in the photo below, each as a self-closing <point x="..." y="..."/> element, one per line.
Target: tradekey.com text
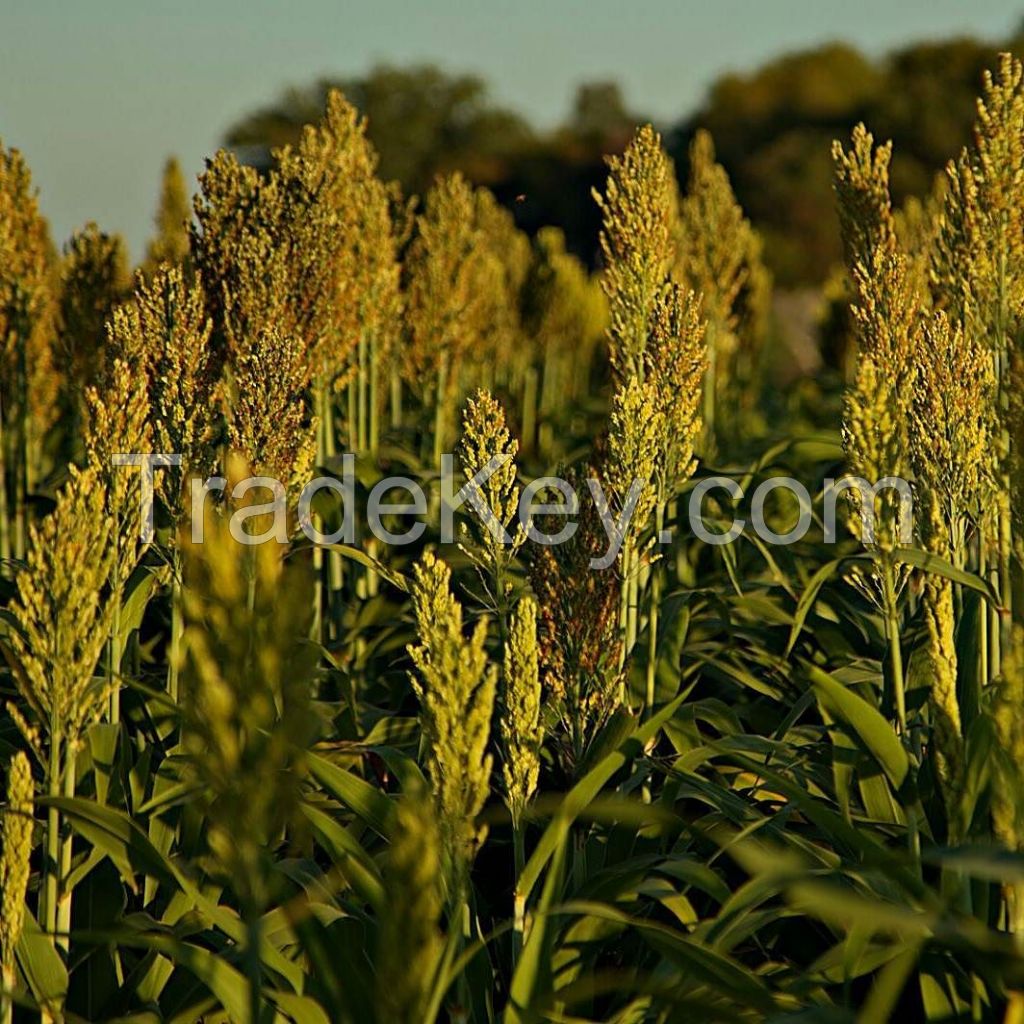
<point x="536" y="500"/>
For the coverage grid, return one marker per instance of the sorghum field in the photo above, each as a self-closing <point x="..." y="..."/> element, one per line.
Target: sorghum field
<point x="462" y="780"/>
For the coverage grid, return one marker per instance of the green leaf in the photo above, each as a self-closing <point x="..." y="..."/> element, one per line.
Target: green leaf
<point x="585" y="790"/>
<point x="41" y="964"/>
<point x="928" y="562"/>
<point x="807" y="599"/>
<point x="357" y="866"/>
<point x="865" y="722"/>
<point x="359" y="796"/>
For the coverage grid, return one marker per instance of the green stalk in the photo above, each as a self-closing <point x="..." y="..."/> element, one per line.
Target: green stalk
<point x="363" y="385"/>
<point x="353" y="417"/>
<point x="52" y="866"/>
<point x="652" y="621"/>
<point x="633" y="601"/>
<point x="114" y="648"/>
<point x="323" y="413"/>
<point x="252" y="963"/>
<point x="626" y="557"/>
<point x="21" y="462"/>
<point x="1005" y="614"/>
<point x="64" y="900"/>
<point x="6" y="1003"/>
<point x="892" y="633"/>
<point x="439" y="408"/>
<point x="177" y="628"/>
<point x="374" y="396"/>
<point x="518" y="897"/>
<point x="710" y="384"/>
<point x="396" y="399"/>
<point x="460" y="1014"/>
<point x="334" y="569"/>
<point x="5" y="526"/>
<point x="529" y="424"/>
<point x="984" y="619"/>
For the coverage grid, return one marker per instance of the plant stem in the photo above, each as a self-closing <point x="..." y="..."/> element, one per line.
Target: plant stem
<point x="892" y="632"/>
<point x="363" y="386"/>
<point x="518" y="899"/>
<point x="374" y="395"/>
<point x="439" y="408"/>
<point x="6" y="1003"/>
<point x="177" y="628"/>
<point x="529" y="414"/>
<point x="652" y="620"/>
<point x="64" y="900"/>
<point x="115" y="650"/>
<point x="52" y="864"/>
<point x="252" y="963"/>
<point x="5" y="525"/>
<point x="396" y="398"/>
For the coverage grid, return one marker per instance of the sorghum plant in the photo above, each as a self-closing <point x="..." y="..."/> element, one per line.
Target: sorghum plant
<point x="876" y="424"/>
<point x="61" y="618"/>
<point x="246" y="699"/>
<point x="29" y="382"/>
<point x="486" y="438"/>
<point x="409" y="941"/>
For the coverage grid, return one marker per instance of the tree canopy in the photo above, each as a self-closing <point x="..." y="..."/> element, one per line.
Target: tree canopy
<point x="772" y="127"/>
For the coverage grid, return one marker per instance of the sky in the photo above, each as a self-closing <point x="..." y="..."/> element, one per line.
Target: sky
<point x="97" y="93"/>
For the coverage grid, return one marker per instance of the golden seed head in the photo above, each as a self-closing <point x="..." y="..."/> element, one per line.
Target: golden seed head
<point x="15" y="851"/>
<point x="94" y="279"/>
<point x="676" y="361"/>
<point x="270" y="425"/>
<point x="635" y="437"/>
<point x="485" y="437"/>
<point x="171" y="243"/>
<point x="62" y="611"/>
<point x="456" y="688"/>
<point x="639" y="210"/>
<point x="953" y="433"/>
<point x="521" y="729"/>
<point x="861" y="182"/>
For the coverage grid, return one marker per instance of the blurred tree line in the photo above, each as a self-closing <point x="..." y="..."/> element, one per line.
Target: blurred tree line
<point x="772" y="128"/>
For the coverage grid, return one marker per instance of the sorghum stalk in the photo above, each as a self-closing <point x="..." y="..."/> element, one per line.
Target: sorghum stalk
<point x="396" y="398"/>
<point x="177" y="628"/>
<point x="5" y="525"/>
<point x="51" y="866"/>
<point x="375" y="396"/>
<point x="364" y="386"/>
<point x="891" y="612"/>
<point x="64" y="898"/>
<point x="652" y="618"/>
<point x="440" y="407"/>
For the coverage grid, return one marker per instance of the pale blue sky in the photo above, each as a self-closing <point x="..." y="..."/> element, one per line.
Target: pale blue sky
<point x="98" y="92"/>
